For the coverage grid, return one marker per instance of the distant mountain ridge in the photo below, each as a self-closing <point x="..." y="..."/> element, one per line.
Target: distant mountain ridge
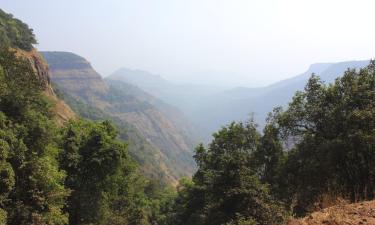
<point x="210" y="109"/>
<point x="167" y="136"/>
<point x="186" y="97"/>
<point x="260" y="101"/>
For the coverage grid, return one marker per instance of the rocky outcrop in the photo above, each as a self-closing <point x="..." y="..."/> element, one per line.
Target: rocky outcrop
<point x="74" y="74"/>
<point x="62" y="111"/>
<point x="39" y="65"/>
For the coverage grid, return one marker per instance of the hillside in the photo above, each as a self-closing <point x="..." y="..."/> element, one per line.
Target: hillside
<point x="176" y="120"/>
<point x="188" y="98"/>
<point x="62" y="111"/>
<point x="164" y="144"/>
<point x="349" y="214"/>
<point x="20" y="38"/>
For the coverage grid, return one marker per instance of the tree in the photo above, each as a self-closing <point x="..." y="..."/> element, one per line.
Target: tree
<point x="32" y="187"/>
<point x="334" y="126"/>
<point x="226" y="188"/>
<point x="14" y="33"/>
<point x="270" y="157"/>
<point x="100" y="175"/>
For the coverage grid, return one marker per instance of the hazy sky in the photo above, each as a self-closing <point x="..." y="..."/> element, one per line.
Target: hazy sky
<point x="232" y="42"/>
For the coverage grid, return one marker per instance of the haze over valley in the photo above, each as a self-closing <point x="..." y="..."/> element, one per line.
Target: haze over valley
<point x="210" y="107"/>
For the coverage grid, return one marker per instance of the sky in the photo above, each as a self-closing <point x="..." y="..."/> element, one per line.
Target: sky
<point x="219" y="42"/>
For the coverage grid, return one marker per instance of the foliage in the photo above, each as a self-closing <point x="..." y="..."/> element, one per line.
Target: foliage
<point x="14" y="33"/>
<point x="226" y="188"/>
<point x="160" y="199"/>
<point x="334" y="126"/>
<point x="139" y="148"/>
<point x="32" y="189"/>
<point x="78" y="174"/>
<point x="100" y="174"/>
<point x="270" y="157"/>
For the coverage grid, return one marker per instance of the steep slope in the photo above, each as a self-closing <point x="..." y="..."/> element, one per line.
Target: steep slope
<point x="62" y="111"/>
<point x="17" y="36"/>
<point x="186" y="97"/>
<point x="177" y="123"/>
<point x="168" y="142"/>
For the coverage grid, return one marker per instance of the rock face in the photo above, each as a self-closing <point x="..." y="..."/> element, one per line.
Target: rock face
<point x="152" y="116"/>
<point x="62" y="110"/>
<point x="160" y="124"/>
<point x="74" y="74"/>
<point x="39" y="65"/>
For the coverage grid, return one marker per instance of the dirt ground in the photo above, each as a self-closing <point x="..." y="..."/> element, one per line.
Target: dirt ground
<point x="343" y="214"/>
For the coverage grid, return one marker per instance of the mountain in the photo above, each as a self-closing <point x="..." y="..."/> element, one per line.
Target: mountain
<point x="209" y="107"/>
<point x="160" y="137"/>
<point x="62" y="111"/>
<point x="186" y="97"/>
<point x="238" y="103"/>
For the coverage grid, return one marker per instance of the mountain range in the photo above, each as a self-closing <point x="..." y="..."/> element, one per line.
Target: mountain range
<point x="210" y="107"/>
<point x="156" y="113"/>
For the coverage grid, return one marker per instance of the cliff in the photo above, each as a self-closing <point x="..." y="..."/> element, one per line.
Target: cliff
<point x="165" y="135"/>
<point x="62" y="111"/>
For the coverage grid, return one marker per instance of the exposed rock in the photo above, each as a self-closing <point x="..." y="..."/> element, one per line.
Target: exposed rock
<point x="62" y="110"/>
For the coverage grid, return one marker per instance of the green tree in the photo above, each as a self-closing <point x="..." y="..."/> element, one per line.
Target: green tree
<point x="334" y="128"/>
<point x="101" y="176"/>
<point x="226" y="189"/>
<point x="270" y="157"/>
<point x="32" y="189"/>
<point x="14" y="33"/>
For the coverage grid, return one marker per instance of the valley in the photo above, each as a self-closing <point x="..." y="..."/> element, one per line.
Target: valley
<point x="210" y="107"/>
<point x="132" y="148"/>
<point x="165" y="136"/>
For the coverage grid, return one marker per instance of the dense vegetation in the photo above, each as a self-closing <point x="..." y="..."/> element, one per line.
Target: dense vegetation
<point x="15" y="33"/>
<point x="78" y="174"/>
<point x="320" y="147"/>
<point x="138" y="147"/>
<point x="334" y="125"/>
<point x="227" y="187"/>
<point x="32" y="186"/>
